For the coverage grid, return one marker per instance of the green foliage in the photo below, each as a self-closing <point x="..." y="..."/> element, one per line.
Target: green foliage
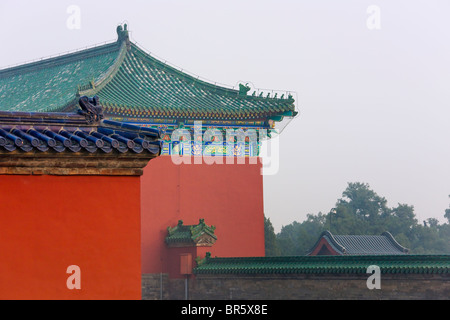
<point x="271" y="244"/>
<point x="362" y="211"/>
<point x="297" y="238"/>
<point x="447" y="213"/>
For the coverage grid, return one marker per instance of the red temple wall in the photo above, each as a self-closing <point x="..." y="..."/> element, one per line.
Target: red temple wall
<point x="173" y="259"/>
<point x="48" y="223"/>
<point x="229" y="197"/>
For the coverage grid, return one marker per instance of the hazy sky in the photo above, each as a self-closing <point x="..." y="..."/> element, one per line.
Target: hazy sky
<point x="374" y="103"/>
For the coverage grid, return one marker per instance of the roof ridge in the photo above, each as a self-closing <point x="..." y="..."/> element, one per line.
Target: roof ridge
<point x="394" y="242"/>
<point x="63" y="58"/>
<point x="109" y="74"/>
<point x="334" y="241"/>
<point x="142" y="53"/>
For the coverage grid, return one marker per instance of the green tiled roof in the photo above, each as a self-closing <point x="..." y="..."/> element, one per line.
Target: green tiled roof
<point x="389" y="264"/>
<point x="52" y="84"/>
<point x="189" y="234"/>
<point x="131" y="83"/>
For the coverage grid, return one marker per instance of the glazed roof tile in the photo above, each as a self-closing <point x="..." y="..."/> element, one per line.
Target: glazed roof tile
<point x="67" y="132"/>
<point x="389" y="264"/>
<point x="51" y="84"/>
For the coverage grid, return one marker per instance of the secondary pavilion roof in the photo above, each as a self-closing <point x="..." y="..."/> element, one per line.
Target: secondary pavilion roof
<point x="384" y="244"/>
<point x="131" y="84"/>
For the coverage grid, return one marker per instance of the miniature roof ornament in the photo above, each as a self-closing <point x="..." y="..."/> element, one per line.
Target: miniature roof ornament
<point x="123" y="36"/>
<point x="122" y="32"/>
<point x="91" y="109"/>
<point x="243" y="89"/>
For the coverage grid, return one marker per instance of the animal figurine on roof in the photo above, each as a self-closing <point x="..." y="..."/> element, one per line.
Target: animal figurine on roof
<point x="91" y="109"/>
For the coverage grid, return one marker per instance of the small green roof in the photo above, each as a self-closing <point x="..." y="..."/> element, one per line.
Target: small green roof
<point x="191" y="235"/>
<point x="131" y="84"/>
<point x="325" y="264"/>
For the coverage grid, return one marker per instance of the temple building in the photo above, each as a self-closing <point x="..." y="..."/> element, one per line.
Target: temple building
<point x="112" y="187"/>
<point x="198" y="124"/>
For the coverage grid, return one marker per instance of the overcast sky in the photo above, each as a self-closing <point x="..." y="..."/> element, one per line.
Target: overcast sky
<point x="372" y="80"/>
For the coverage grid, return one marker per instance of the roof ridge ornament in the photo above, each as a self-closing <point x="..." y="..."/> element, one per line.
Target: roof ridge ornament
<point x="91" y="109"/>
<point x="243" y="89"/>
<point x="123" y="35"/>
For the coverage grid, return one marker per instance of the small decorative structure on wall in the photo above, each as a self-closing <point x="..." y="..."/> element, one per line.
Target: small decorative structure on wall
<point x="200" y="235"/>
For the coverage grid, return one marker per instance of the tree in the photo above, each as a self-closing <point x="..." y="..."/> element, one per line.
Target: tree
<point x="447" y="213"/>
<point x="298" y="238"/>
<point x="361" y="210"/>
<point x="270" y="240"/>
<point x="402" y="219"/>
<point x="444" y="230"/>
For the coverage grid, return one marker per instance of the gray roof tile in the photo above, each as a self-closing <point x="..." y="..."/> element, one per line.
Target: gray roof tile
<point x="384" y="244"/>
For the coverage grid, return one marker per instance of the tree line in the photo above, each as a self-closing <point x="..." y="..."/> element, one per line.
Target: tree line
<point x="361" y="211"/>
